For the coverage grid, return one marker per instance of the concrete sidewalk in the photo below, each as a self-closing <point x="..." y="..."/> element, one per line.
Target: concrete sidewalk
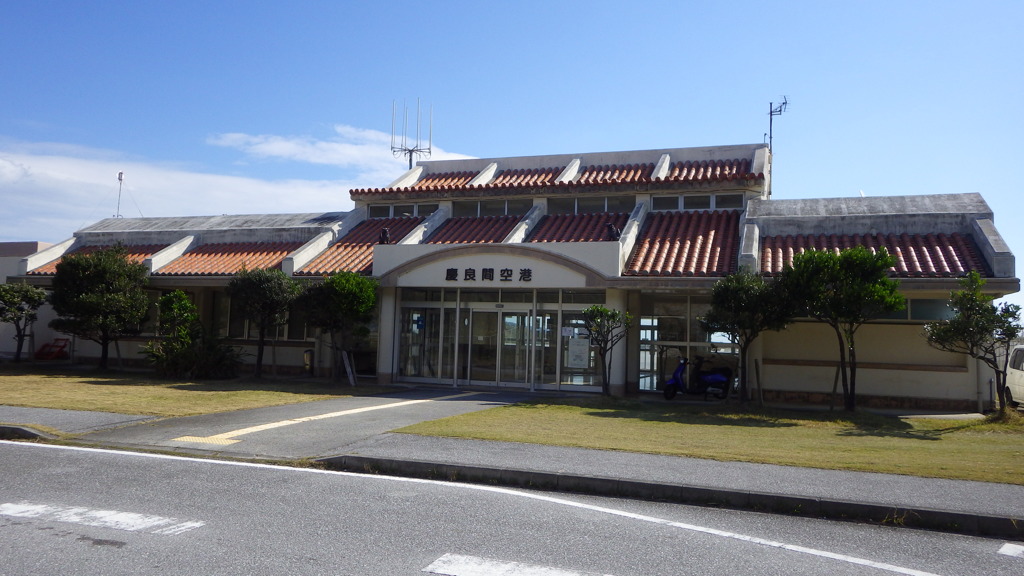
<point x="995" y="510"/>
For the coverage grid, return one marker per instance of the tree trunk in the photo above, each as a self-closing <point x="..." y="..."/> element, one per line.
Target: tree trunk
<point x="842" y="363"/>
<point x="261" y="334"/>
<point x="348" y="369"/>
<point x="20" y="337"/>
<point x="851" y="399"/>
<point x="743" y="374"/>
<point x="104" y="353"/>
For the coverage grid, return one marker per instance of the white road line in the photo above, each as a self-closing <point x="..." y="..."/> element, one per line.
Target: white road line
<point x="129" y="521"/>
<point x="459" y="565"/>
<point x="1015" y="550"/>
<point x="228" y="438"/>
<point x="691" y="527"/>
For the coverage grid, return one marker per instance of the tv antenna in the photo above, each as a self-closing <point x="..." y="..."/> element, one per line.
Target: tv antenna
<point x="403" y="146"/>
<point x="774" y="111"/>
<point x="120" y="182"/>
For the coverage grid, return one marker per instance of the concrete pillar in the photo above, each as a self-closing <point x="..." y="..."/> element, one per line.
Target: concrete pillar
<point x="386" y="336"/>
<point x="633" y="345"/>
<point x="615" y="299"/>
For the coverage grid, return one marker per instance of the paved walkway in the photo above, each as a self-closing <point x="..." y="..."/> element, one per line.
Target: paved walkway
<point x="354" y="434"/>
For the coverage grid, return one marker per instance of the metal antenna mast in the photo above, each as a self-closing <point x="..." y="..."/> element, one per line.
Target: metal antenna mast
<point x="774" y="111"/>
<point x="120" y="182"/>
<point x="403" y="147"/>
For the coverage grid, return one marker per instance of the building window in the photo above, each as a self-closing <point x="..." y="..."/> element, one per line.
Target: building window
<point x="378" y="211"/>
<point x="702" y="202"/>
<point x="727" y="201"/>
<point x="400" y="210"/>
<point x="665" y="203"/>
<point x="591" y="204"/>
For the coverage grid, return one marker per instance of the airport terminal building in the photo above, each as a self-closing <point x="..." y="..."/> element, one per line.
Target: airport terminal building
<point x="485" y="267"/>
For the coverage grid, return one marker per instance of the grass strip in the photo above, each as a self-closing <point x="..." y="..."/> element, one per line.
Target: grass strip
<point x="982" y="450"/>
<point x="143" y="394"/>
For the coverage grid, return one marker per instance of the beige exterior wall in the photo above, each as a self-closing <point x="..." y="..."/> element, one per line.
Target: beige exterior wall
<point x="894" y="360"/>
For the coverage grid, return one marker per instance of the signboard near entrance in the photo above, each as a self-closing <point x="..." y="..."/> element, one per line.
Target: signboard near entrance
<point x="579" y="353"/>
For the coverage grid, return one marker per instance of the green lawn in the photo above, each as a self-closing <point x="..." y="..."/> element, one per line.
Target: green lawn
<point x="968" y="449"/>
<point x="142" y="393"/>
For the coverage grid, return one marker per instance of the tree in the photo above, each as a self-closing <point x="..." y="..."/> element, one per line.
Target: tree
<point x="19" y="306"/>
<point x="99" y="296"/>
<point x="606" y="327"/>
<point x="264" y="296"/>
<point x="845" y="290"/>
<point x="186" y="349"/>
<point x="743" y="305"/>
<point x="341" y="305"/>
<point x="979" y="329"/>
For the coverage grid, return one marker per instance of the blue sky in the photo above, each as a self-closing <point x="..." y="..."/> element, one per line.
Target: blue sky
<point x="232" y="107"/>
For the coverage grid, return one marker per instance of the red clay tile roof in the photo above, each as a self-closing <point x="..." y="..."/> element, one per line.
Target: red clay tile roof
<point x="474" y="230"/>
<point x="917" y="255"/>
<point x="687" y="244"/>
<point x="135" y="254"/>
<point x="444" y="180"/>
<point x="713" y="170"/>
<point x="577" y="227"/>
<point x="525" y="178"/>
<point x="354" y="251"/>
<point x="227" y="259"/>
<point x="615" y="174"/>
<point x="598" y="175"/>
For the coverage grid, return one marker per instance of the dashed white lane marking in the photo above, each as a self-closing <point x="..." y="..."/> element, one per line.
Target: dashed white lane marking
<point x="129" y="521"/>
<point x="1012" y="550"/>
<point x="228" y="438"/>
<point x="484" y="488"/>
<point x="459" y="565"/>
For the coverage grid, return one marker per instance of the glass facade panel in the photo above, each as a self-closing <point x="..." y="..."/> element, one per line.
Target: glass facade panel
<point x="492" y="208"/>
<point x="426" y="209"/>
<point x="621" y="203"/>
<point x="516" y="333"/>
<point x="547" y="296"/>
<point x="545" y="351"/>
<point x="583" y="296"/>
<point x="696" y="202"/>
<point x="589" y="205"/>
<point x="404" y="210"/>
<point x="561" y="205"/>
<point x="579" y="361"/>
<point x="378" y="211"/>
<point x="727" y="201"/>
<point x="463" y="209"/>
<point x="926" y="309"/>
<point x="419" y="344"/>
<point x="519" y="206"/>
<point x="665" y="203"/>
<point x="517" y="296"/>
<point x="483" y="347"/>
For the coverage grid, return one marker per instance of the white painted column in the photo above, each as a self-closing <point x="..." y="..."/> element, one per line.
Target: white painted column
<point x="386" y="335"/>
<point x="615" y="299"/>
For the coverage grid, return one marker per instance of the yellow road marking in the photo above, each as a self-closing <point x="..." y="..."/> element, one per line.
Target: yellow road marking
<point x="228" y="438"/>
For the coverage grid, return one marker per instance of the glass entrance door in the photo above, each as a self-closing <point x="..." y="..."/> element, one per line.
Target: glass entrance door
<point x="515" y="347"/>
<point x="482" y="359"/>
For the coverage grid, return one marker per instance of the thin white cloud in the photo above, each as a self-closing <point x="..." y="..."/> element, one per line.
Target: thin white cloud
<point x="55" y="189"/>
<point x="352" y="147"/>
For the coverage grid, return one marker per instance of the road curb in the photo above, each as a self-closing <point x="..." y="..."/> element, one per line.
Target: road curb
<point x="15" y="432"/>
<point x="832" y="509"/>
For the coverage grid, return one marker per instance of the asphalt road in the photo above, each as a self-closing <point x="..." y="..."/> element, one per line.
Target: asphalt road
<point x="306" y="430"/>
<point x="79" y="511"/>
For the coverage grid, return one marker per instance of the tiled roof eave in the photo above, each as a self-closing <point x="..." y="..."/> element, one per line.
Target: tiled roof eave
<point x="639" y="185"/>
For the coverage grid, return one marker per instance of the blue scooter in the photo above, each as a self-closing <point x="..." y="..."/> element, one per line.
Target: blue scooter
<point x="714" y="382"/>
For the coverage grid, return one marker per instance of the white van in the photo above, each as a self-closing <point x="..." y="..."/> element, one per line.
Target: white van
<point x="1015" y="377"/>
